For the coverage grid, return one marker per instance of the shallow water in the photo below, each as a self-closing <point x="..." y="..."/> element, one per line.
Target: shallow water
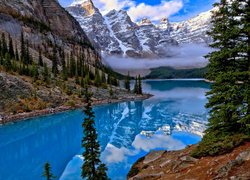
<point x="174" y="118"/>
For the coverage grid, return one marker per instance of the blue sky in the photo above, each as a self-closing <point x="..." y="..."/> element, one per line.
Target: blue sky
<point x="176" y="10"/>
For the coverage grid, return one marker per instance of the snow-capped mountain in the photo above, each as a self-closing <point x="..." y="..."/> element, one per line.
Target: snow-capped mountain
<point x="193" y="30"/>
<point x="116" y="34"/>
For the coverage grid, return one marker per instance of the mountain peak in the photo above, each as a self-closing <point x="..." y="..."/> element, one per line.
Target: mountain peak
<point x="164" y="20"/>
<point x="145" y="21"/>
<point x="80" y="2"/>
<point x="87" y="5"/>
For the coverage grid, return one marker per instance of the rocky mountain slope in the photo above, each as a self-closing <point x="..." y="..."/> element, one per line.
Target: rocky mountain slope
<point x="180" y="165"/>
<point x="44" y="23"/>
<point x="116" y="34"/>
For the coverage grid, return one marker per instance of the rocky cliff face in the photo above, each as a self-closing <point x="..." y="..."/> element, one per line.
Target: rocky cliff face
<point x="44" y="24"/>
<point x="116" y="34"/>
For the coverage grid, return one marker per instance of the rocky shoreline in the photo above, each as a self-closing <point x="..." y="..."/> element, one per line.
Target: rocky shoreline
<point x="180" y="165"/>
<point x="5" y="119"/>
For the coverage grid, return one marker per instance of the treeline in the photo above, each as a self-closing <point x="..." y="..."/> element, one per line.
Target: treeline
<point x="172" y="73"/>
<point x="64" y="66"/>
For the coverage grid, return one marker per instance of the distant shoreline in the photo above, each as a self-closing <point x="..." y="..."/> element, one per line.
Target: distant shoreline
<point x="50" y="111"/>
<point x="178" y="79"/>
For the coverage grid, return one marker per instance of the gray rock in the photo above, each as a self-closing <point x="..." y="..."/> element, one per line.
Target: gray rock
<point x="244" y="156"/>
<point x="188" y="159"/>
<point x="152" y="156"/>
<point x="12" y="88"/>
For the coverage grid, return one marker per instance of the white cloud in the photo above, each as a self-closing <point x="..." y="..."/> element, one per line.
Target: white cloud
<point x="157" y="141"/>
<point x="139" y="11"/>
<point x="155" y="13"/>
<point x="186" y="56"/>
<point x="113" y="154"/>
<point x="107" y="5"/>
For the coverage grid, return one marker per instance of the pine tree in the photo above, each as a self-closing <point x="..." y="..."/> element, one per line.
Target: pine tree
<point x="4" y="45"/>
<point x="40" y="58"/>
<point x="72" y="65"/>
<point x="47" y="172"/>
<point x="11" y="48"/>
<point x="136" y="86"/>
<point x="229" y="69"/>
<point x="16" y="53"/>
<point x="92" y="168"/>
<point x="101" y="172"/>
<point x="97" y="80"/>
<point x="139" y="85"/>
<point x="104" y="81"/>
<point x="35" y="72"/>
<point x="111" y="92"/>
<point x="7" y="62"/>
<point x="1" y="55"/>
<point x="87" y="79"/>
<point x="54" y="62"/>
<point x="22" y="47"/>
<point x="127" y="82"/>
<point x="109" y="79"/>
<point x="46" y="76"/>
<point x="27" y="57"/>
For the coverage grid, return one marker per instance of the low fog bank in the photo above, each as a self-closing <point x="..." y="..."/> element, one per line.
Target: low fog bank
<point x="186" y="57"/>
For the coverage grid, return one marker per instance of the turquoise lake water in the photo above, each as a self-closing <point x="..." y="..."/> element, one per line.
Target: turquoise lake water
<point x="174" y="118"/>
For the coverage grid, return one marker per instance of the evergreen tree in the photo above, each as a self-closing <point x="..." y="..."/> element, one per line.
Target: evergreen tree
<point x="46" y="75"/>
<point x="87" y="79"/>
<point x="229" y="69"/>
<point x="64" y="66"/>
<point x="139" y="85"/>
<point x="1" y="55"/>
<point x="35" y="72"/>
<point x="103" y="78"/>
<point x="82" y="82"/>
<point x="40" y="58"/>
<point x="22" y="47"/>
<point x="72" y="65"/>
<point x="16" y="54"/>
<point x="54" y="62"/>
<point x="27" y="58"/>
<point x="127" y="82"/>
<point x="111" y="92"/>
<point x="47" y="172"/>
<point x="136" y="86"/>
<point x="109" y="79"/>
<point x="11" y="48"/>
<point x="4" y="45"/>
<point x="101" y="172"/>
<point x="92" y="168"/>
<point x="97" y="80"/>
<point x="7" y="62"/>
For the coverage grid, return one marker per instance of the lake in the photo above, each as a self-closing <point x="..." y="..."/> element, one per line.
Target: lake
<point x="174" y="118"/>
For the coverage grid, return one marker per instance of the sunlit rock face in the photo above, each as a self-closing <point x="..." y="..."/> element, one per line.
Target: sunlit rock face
<point x="116" y="34"/>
